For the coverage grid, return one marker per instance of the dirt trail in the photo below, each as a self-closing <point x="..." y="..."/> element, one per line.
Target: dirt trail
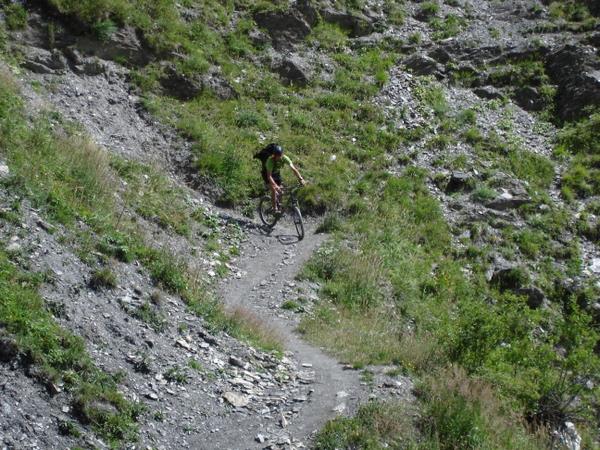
<point x="271" y="263"/>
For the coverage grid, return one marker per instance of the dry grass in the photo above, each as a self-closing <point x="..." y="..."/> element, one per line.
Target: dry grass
<point x="370" y="338"/>
<point x="254" y="329"/>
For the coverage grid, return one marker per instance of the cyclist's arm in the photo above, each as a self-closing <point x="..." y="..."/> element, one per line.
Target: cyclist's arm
<point x="297" y="173"/>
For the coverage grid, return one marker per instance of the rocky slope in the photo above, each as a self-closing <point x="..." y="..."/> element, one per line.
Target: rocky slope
<point x="510" y="64"/>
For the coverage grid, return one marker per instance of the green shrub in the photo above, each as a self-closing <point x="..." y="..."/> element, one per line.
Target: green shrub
<point x="429" y="9"/>
<point x="450" y="26"/>
<point x="328" y="36"/>
<point x="103" y="29"/>
<point x="484" y="194"/>
<point x="415" y="38"/>
<point x="331" y="222"/>
<point x="582" y="140"/>
<point x="15" y="16"/>
<point x="103" y="278"/>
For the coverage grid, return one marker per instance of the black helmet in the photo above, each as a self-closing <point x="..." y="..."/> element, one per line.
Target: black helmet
<point x="277" y="149"/>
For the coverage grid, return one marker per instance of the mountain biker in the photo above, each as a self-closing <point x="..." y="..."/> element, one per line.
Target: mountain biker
<point x="271" y="172"/>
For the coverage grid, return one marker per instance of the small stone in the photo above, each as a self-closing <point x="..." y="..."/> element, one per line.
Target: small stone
<point x="300" y="399"/>
<point x="236" y="399"/>
<point x="237" y="362"/>
<point x="208" y="338"/>
<point x="260" y="438"/>
<point x="341" y="394"/>
<point x="284" y="440"/>
<point x="45" y="226"/>
<point x="183" y="343"/>
<point x="152" y="396"/>
<point x="339" y="408"/>
<point x="4" y="170"/>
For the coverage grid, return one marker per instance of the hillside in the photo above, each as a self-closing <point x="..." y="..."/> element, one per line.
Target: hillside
<point x="446" y="295"/>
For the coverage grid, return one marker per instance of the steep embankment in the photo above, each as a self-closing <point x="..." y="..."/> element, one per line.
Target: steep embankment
<point x="453" y="147"/>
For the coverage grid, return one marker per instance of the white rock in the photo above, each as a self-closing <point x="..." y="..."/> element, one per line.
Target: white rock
<point x="183" y="343"/>
<point x="595" y="266"/>
<point x="570" y="437"/>
<point x="235" y="399"/>
<point x="4" y="170"/>
<point x="340" y="408"/>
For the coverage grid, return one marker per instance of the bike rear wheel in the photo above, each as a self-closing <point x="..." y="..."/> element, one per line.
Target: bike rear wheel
<point x="266" y="213"/>
<point x="298" y="222"/>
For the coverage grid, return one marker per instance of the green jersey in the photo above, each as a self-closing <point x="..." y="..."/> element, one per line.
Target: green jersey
<point x="273" y="166"/>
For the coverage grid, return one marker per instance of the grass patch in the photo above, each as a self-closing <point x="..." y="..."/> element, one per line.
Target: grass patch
<point x="376" y="425"/>
<point x="582" y="141"/>
<point x="103" y="278"/>
<point x="15" y="16"/>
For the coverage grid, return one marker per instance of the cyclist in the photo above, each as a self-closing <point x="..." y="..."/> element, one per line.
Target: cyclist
<point x="271" y="172"/>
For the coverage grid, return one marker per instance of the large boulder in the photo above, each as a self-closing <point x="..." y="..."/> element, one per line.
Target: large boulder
<point x="488" y="92"/>
<point x="307" y="9"/>
<point x="8" y="348"/>
<point x="124" y="44"/>
<point x="284" y="27"/>
<point x="179" y="85"/>
<point x="576" y="71"/>
<point x="424" y="65"/>
<point x="530" y="99"/>
<point x="355" y="23"/>
<point x="460" y="181"/>
<point x="293" y="70"/>
<point x="507" y="200"/>
<point x="184" y="86"/>
<point x="214" y="82"/>
<point x="43" y="61"/>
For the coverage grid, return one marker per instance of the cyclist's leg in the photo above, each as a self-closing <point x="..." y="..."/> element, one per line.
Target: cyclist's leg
<point x="276" y="197"/>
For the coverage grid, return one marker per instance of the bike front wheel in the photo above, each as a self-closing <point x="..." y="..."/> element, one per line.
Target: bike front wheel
<point x="266" y="213"/>
<point x="298" y="222"/>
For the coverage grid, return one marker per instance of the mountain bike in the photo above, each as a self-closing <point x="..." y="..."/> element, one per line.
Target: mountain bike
<point x="287" y="201"/>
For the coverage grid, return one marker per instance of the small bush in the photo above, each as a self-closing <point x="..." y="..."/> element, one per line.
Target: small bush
<point x="148" y="314"/>
<point x="104" y="29"/>
<point x="177" y="375"/>
<point x="462" y="412"/>
<point x="376" y="425"/>
<point x="328" y="36"/>
<point x="331" y="222"/>
<point x="15" y="16"/>
<point x="103" y="279"/>
<point x="429" y="9"/>
<point x="484" y="194"/>
<point x="415" y="38"/>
